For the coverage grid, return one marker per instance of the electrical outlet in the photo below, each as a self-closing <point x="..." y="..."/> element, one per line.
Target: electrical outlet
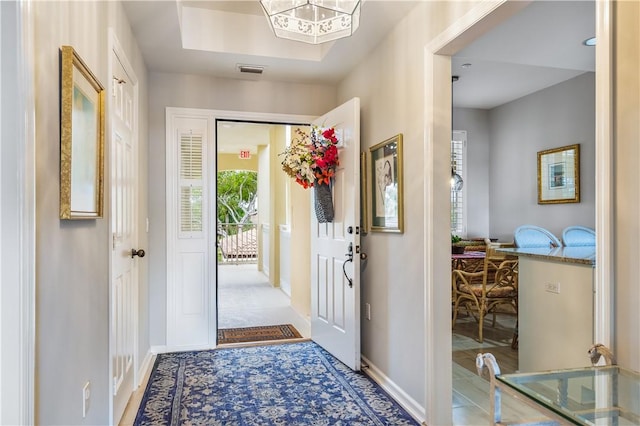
<point x="552" y="287"/>
<point x="86" y="398"/>
<point x="367" y="308"/>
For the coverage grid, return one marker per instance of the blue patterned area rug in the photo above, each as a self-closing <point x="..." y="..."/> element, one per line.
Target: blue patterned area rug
<point x="288" y="384"/>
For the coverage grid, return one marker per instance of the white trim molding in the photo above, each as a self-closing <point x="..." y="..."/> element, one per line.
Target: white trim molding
<point x="604" y="271"/>
<point x="145" y="367"/>
<point x="437" y="222"/>
<point x="17" y="221"/>
<point x="411" y="405"/>
<point x="173" y="116"/>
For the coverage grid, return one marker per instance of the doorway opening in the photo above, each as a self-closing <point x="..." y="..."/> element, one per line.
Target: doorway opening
<point x="255" y="296"/>
<point x="491" y="160"/>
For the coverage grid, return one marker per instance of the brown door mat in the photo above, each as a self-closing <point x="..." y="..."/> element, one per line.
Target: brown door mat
<point x="257" y="334"/>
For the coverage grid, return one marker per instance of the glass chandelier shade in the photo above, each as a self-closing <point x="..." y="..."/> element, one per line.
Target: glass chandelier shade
<point x="313" y="21"/>
<point x="456" y="180"/>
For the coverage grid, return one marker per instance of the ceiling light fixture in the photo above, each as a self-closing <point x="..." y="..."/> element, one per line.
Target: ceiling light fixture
<point x="591" y="41"/>
<point x="313" y="21"/>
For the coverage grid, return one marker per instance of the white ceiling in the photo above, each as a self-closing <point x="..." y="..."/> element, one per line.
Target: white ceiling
<point x="237" y="32"/>
<point x="538" y="47"/>
<point x="234" y="136"/>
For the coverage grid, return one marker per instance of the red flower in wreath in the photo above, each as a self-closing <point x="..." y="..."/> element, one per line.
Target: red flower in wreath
<point x="312" y="159"/>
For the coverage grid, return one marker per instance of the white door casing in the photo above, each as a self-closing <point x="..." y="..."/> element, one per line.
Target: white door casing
<point x="124" y="270"/>
<point x="335" y="298"/>
<point x="191" y="328"/>
<point x="437" y="71"/>
<point x="17" y="214"/>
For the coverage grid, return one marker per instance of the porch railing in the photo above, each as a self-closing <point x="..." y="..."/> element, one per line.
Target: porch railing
<point x="238" y="243"/>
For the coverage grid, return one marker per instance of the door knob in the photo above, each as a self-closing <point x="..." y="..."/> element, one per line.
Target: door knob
<point x="139" y="253"/>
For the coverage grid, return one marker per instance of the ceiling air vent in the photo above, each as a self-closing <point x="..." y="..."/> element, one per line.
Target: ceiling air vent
<point x="251" y="69"/>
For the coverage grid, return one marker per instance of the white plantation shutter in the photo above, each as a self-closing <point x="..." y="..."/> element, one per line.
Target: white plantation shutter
<point x="189" y="257"/>
<point x="190" y="164"/>
<point x="458" y="163"/>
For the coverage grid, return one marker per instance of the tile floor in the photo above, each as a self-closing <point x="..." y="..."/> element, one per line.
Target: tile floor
<point x="471" y="403"/>
<point x="247" y="299"/>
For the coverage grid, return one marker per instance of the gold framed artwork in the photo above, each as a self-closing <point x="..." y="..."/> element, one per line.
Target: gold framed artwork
<point x="81" y="139"/>
<point x="364" y="203"/>
<point x="559" y="175"/>
<point x="387" y="211"/>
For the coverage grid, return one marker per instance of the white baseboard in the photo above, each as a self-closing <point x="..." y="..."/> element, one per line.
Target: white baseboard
<point x="162" y="349"/>
<point x="145" y="368"/>
<point x="416" y="410"/>
<point x="285" y="284"/>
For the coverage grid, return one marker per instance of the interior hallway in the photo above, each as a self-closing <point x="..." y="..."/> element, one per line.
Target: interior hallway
<point x="246" y="299"/>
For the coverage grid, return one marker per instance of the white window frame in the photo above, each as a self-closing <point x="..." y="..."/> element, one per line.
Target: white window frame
<point x="459" y="151"/>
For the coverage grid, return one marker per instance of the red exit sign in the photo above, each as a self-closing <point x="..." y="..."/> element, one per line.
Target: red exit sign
<point x="245" y="154"/>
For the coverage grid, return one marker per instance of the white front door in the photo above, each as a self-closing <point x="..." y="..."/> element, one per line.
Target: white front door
<point x="335" y="285"/>
<point x="124" y="277"/>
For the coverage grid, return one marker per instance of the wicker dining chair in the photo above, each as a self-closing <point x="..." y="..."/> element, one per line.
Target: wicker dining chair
<point x="487" y="291"/>
<point x="531" y="236"/>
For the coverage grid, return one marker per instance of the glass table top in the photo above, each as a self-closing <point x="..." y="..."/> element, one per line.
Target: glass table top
<point x="608" y="395"/>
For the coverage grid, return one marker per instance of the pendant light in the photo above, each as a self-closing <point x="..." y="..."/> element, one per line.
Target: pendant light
<point x="456" y="179"/>
<point x="313" y="21"/>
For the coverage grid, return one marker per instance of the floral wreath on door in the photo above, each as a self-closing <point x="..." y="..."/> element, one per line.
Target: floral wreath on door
<point x="312" y="160"/>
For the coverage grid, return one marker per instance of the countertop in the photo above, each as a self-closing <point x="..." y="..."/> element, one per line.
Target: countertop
<point x="578" y="255"/>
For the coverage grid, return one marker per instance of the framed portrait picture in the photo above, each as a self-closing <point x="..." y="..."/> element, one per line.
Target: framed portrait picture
<point x="559" y="175"/>
<point x="81" y="139"/>
<point x="386" y="186"/>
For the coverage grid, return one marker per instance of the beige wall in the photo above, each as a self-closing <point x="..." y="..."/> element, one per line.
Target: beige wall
<point x="300" y="249"/>
<point x="278" y="199"/>
<point x="264" y="202"/>
<point x="234" y="162"/>
<point x="627" y="175"/>
<point x="72" y="257"/>
<point x="299" y="214"/>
